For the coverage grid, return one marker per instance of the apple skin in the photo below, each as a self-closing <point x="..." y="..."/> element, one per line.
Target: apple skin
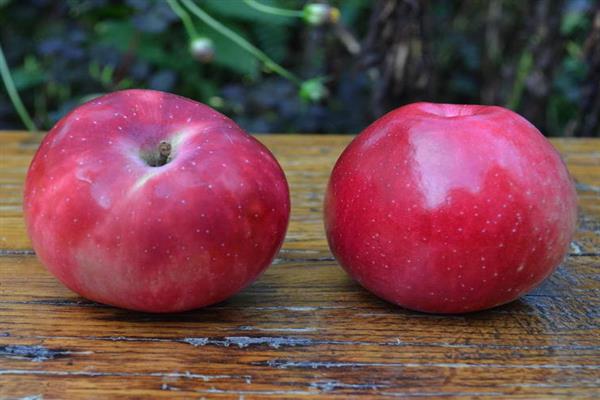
<point x="448" y="208"/>
<point x="169" y="238"/>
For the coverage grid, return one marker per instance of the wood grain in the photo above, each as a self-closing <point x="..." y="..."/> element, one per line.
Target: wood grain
<point x="304" y="330"/>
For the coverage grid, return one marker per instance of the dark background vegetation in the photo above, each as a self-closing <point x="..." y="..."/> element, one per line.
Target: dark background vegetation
<point x="540" y="58"/>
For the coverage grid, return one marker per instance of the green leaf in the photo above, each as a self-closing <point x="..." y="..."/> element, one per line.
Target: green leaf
<point x="151" y="47"/>
<point x="573" y="21"/>
<point x="152" y="51"/>
<point x="351" y="10"/>
<point x="273" y="40"/>
<point x="230" y="55"/>
<point x="29" y="75"/>
<point x="115" y="33"/>
<point x="241" y="11"/>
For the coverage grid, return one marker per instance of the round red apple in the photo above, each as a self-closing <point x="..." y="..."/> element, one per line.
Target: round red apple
<point x="153" y="202"/>
<point x="450" y="208"/>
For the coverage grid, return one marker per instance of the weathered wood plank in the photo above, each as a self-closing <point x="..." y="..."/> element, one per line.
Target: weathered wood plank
<point x="305" y="329"/>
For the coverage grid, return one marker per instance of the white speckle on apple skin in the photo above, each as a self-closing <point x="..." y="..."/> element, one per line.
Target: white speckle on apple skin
<point x="486" y="196"/>
<point x="125" y="215"/>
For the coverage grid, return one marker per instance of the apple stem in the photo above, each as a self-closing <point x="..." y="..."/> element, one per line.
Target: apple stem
<point x="164" y="153"/>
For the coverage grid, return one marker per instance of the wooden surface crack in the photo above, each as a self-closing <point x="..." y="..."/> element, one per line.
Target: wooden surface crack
<point x="305" y="329"/>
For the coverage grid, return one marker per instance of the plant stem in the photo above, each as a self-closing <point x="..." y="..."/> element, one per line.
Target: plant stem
<point x="273" y="10"/>
<point x="523" y="69"/>
<point x="240" y="41"/>
<point x="184" y="17"/>
<point x="13" y="94"/>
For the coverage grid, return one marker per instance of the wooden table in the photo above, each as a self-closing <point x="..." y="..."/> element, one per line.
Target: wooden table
<point x="304" y="329"/>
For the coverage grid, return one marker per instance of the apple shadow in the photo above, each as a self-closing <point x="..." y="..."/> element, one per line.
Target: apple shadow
<point x="210" y="314"/>
<point x="247" y="304"/>
<point x="517" y="306"/>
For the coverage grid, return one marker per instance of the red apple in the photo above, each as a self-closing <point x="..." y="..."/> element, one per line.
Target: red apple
<point x="153" y="202"/>
<point x="450" y="208"/>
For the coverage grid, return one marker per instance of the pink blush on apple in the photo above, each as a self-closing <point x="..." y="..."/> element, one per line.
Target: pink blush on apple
<point x="153" y="202"/>
<point x="450" y="208"/>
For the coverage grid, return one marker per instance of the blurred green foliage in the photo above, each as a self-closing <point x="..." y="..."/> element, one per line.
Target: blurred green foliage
<point x="62" y="53"/>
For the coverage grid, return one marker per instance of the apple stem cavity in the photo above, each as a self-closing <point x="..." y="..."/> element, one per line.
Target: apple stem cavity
<point x="159" y="158"/>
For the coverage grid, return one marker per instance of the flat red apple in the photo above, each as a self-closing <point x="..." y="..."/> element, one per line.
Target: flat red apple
<point x="150" y="201"/>
<point x="450" y="208"/>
